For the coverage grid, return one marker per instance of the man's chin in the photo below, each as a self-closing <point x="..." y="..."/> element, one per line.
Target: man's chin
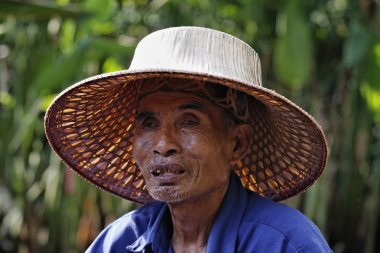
<point x="168" y="195"/>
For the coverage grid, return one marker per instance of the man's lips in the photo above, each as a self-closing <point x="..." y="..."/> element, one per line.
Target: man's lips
<point x="167" y="170"/>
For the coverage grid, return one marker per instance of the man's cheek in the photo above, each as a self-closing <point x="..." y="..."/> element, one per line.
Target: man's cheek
<point x="138" y="150"/>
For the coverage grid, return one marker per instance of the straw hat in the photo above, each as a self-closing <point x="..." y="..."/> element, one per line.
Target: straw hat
<point x="90" y="124"/>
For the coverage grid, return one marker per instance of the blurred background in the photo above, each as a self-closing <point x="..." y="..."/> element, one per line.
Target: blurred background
<point x="322" y="54"/>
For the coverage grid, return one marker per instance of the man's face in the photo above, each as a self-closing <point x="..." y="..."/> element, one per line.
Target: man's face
<point x="182" y="145"/>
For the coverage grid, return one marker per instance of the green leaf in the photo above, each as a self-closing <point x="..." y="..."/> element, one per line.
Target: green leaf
<point x="100" y="22"/>
<point x="293" y="49"/>
<point x="62" y="70"/>
<point x="356" y="45"/>
<point x="46" y="101"/>
<point x="102" y="9"/>
<point x="110" y="47"/>
<point x="7" y="100"/>
<point x="58" y="72"/>
<point x="27" y="10"/>
<point x="25" y="126"/>
<point x="111" y="65"/>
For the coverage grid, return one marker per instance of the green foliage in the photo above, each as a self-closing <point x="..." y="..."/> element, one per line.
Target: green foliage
<point x="30" y="10"/>
<point x="356" y="45"/>
<point x="293" y="50"/>
<point x="370" y="86"/>
<point x="322" y="54"/>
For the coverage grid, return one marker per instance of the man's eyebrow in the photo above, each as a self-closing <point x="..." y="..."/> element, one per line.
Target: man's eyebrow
<point x="193" y="105"/>
<point x="142" y="115"/>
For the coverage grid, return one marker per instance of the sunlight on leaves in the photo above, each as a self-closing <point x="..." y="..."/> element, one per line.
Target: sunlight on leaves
<point x="7" y="99"/>
<point x="46" y="101"/>
<point x="111" y="65"/>
<point x="370" y="87"/>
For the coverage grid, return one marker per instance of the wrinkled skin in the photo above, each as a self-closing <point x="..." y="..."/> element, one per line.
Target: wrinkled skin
<point x="185" y="150"/>
<point x="186" y="135"/>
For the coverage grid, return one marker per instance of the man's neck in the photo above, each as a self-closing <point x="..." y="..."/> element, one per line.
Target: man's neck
<point x="193" y="220"/>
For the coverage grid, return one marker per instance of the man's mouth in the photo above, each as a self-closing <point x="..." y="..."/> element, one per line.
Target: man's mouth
<point x="161" y="170"/>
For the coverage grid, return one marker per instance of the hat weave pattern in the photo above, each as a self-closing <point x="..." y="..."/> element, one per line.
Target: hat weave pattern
<point x="92" y="132"/>
<point x="91" y="128"/>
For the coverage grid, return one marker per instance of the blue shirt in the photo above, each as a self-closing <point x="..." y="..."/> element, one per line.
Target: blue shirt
<point x="246" y="222"/>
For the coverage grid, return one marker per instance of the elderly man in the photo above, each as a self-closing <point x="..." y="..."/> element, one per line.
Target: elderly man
<point x="189" y="132"/>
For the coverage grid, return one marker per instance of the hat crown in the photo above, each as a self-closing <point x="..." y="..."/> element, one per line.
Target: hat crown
<point x="198" y="50"/>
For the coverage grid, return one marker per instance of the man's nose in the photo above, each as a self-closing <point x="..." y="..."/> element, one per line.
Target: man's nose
<point x="166" y="143"/>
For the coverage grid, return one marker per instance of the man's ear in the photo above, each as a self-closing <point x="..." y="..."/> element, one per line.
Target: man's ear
<point x="242" y="133"/>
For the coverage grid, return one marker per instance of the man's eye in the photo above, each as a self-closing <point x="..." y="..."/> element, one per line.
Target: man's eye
<point x="149" y="123"/>
<point x="189" y="122"/>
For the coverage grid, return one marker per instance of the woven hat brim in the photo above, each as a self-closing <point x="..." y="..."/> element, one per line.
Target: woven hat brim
<point x="90" y="127"/>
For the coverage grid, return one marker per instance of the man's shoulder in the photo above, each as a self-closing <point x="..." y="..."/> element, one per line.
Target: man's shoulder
<point x="140" y="217"/>
<point x="277" y="225"/>
<point x="262" y="210"/>
<point x="125" y="230"/>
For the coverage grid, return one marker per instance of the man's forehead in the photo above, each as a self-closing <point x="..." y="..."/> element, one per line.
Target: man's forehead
<point x="154" y="84"/>
<point x="160" y="102"/>
<point x="178" y="99"/>
<point x="226" y="99"/>
<point x="203" y="89"/>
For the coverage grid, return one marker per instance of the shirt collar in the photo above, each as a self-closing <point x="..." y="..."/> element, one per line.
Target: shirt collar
<point x="228" y="219"/>
<point x="157" y="237"/>
<point x="225" y="228"/>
